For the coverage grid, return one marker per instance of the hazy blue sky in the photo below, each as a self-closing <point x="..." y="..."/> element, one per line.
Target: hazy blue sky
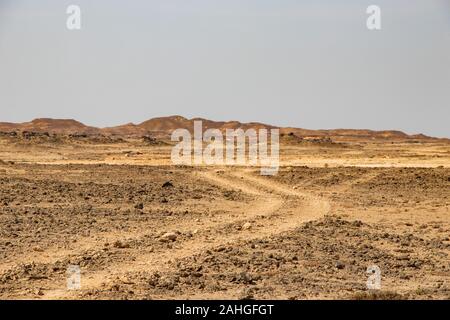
<point x="310" y="64"/>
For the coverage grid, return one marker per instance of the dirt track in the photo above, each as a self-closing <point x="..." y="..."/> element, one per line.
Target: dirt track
<point x="284" y="209"/>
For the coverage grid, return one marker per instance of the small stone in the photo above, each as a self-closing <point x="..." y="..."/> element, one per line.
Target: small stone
<point x="121" y="245"/>
<point x="357" y="223"/>
<point x="246" y="294"/>
<point x="169" y="236"/>
<point x="167" y="184"/>
<point x="339" y="265"/>
<point x="246" y="226"/>
<point x="39" y="292"/>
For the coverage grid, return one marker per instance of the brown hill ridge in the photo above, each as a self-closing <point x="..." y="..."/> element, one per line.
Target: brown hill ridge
<point x="162" y="127"/>
<point x="58" y="126"/>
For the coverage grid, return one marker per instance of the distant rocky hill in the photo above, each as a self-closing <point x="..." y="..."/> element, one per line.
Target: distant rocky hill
<point x="162" y="128"/>
<point x="58" y="126"/>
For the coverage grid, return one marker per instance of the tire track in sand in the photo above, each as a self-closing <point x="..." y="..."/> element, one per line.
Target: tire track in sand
<point x="286" y="208"/>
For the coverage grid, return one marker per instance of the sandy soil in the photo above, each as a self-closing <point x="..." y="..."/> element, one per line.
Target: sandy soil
<point x="309" y="232"/>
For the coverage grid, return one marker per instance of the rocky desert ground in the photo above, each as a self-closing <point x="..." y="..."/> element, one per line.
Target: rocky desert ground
<point x="141" y="228"/>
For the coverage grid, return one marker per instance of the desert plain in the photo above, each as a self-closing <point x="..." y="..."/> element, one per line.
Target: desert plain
<point x="140" y="227"/>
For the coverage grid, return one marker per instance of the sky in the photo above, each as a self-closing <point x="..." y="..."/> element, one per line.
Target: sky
<point x="310" y="64"/>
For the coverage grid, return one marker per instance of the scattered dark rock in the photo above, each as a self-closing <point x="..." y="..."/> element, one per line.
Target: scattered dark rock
<point x="169" y="236"/>
<point x="167" y="184"/>
<point x="121" y="245"/>
<point x="139" y="206"/>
